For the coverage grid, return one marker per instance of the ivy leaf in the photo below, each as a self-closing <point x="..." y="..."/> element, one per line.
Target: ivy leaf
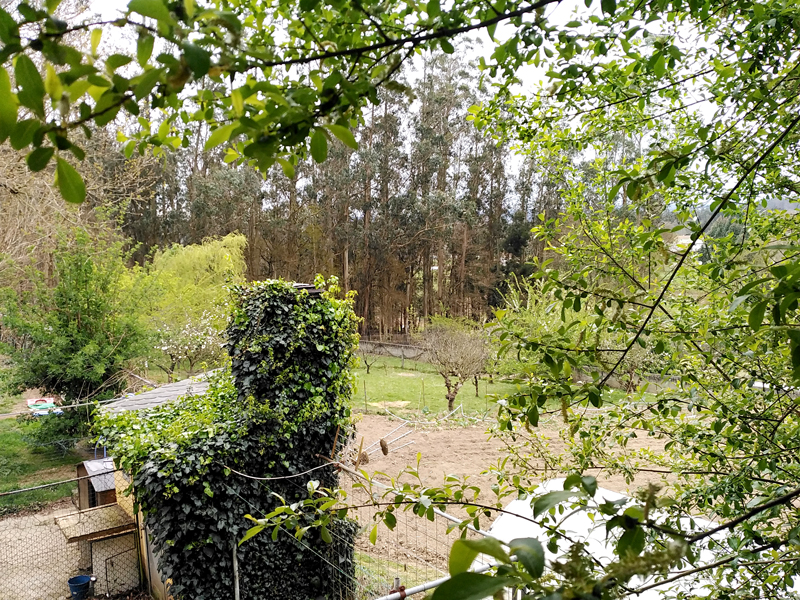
<point x="319" y="146"/>
<point x="470" y="586"/>
<point x="70" y="183"/>
<point x="344" y="134"/>
<point x="8" y="107"/>
<point x="530" y="553"/>
<point x="39" y="158"/>
<point x="550" y="500"/>
<point x="155" y="9"/>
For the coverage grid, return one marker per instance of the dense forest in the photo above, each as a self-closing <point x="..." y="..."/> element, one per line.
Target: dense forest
<point x="429" y="216"/>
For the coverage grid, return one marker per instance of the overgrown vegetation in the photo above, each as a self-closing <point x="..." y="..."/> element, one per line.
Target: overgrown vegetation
<point x="661" y="125"/>
<point x="281" y="404"/>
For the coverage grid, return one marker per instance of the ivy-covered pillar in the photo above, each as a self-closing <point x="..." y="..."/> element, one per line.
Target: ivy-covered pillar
<point x="291" y="349"/>
<point x="273" y="415"/>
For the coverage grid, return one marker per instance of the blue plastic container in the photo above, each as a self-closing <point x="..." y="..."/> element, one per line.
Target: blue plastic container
<point x="79" y="587"/>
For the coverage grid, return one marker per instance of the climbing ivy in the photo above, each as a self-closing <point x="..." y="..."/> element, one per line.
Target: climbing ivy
<point x="280" y="404"/>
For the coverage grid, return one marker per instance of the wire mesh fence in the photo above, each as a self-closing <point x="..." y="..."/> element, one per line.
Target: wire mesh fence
<point x="413" y="552"/>
<point x="45" y="543"/>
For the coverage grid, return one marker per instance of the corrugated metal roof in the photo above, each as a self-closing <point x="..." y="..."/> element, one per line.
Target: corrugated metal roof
<point x="160" y="395"/>
<point x="102" y="471"/>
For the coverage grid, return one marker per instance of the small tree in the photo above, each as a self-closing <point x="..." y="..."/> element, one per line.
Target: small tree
<point x="459" y="353"/>
<point x="195" y="342"/>
<point x="73" y="332"/>
<point x="367" y="358"/>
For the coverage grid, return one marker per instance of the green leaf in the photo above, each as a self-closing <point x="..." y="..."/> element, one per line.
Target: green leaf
<point x="146" y="83"/>
<point x="434" y="9"/>
<point x="373" y="535"/>
<point x="30" y="80"/>
<point x="319" y="146"/>
<point x="390" y="520"/>
<point x="8" y="106"/>
<point x="609" y="6"/>
<point x="631" y="542"/>
<point x="660" y="66"/>
<point x="9" y="30"/>
<point x="325" y="535"/>
<point x="198" y="59"/>
<point x="97" y="34"/>
<point x="550" y="500"/>
<point x="589" y="484"/>
<point x="250" y="533"/>
<point x="737" y="301"/>
<point x="344" y="134"/>
<point x="756" y="317"/>
<point x="23" y="132"/>
<point x="221" y="135"/>
<point x="52" y="5"/>
<point x="38" y="159"/>
<point x="70" y="183"/>
<point x="288" y="167"/>
<point x="144" y="48"/>
<point x="470" y="586"/>
<point x="237" y="102"/>
<point x="155" y="9"/>
<point x="115" y="61"/>
<point x="530" y="553"/>
<point x="447" y="47"/>
<point x="464" y="552"/>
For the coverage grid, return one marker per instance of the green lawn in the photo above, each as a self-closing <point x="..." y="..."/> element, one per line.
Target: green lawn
<point x="22" y="467"/>
<point x="418" y="388"/>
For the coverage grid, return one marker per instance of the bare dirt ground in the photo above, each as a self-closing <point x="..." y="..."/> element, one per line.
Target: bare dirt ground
<point x="417" y="549"/>
<point x="465" y="451"/>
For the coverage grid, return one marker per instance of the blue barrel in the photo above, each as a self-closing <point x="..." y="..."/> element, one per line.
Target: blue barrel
<point x="79" y="587"/>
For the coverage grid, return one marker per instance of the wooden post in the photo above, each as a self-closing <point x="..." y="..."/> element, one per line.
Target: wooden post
<point x="235" y="573"/>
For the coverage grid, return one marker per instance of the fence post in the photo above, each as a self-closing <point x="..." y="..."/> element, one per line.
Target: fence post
<point x="235" y="573"/>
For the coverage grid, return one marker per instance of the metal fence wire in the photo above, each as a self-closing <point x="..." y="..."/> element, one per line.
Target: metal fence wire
<point x="45" y="544"/>
<point x="414" y="552"/>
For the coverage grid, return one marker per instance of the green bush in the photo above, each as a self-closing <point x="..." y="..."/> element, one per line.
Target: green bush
<point x="279" y="406"/>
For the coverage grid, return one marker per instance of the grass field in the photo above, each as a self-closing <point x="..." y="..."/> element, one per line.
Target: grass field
<point x="22" y="466"/>
<point x="417" y="387"/>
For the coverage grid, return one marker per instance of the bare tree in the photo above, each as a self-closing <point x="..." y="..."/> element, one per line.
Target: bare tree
<point x="367" y="358"/>
<point x="458" y="352"/>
